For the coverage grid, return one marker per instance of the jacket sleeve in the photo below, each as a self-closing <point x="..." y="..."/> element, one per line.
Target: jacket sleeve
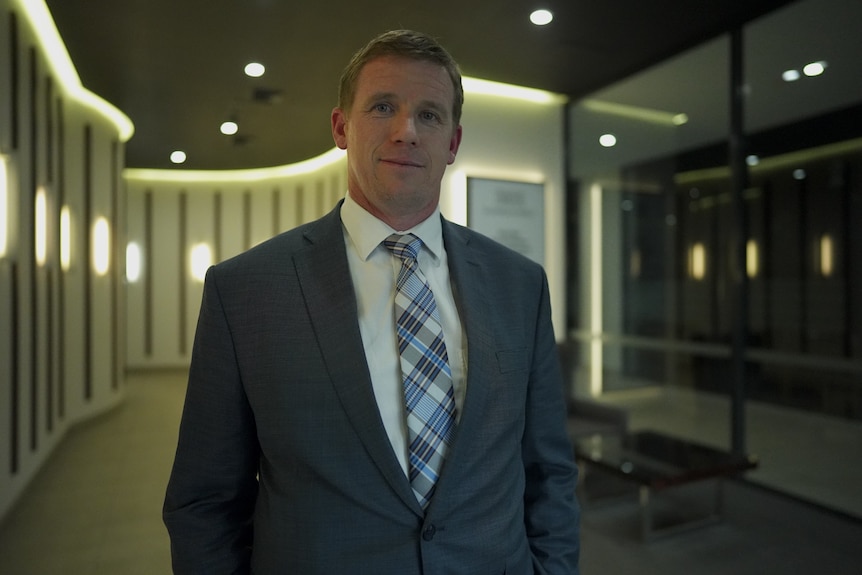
<point x="551" y="511"/>
<point x="213" y="486"/>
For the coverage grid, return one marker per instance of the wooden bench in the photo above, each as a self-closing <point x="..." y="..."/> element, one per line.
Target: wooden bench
<point x="655" y="462"/>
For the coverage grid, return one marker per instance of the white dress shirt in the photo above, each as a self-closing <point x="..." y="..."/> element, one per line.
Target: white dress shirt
<point x="374" y="270"/>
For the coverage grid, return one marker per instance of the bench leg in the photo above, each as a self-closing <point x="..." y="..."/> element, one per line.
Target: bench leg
<point x="646" y="513"/>
<point x="648" y="530"/>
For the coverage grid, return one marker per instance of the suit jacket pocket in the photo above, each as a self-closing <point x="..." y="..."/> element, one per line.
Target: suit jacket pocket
<point x="512" y="360"/>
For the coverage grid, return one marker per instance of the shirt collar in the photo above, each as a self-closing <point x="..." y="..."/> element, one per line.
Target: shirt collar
<point x="367" y="232"/>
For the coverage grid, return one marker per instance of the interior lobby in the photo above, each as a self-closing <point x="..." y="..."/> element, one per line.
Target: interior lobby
<point x="699" y="220"/>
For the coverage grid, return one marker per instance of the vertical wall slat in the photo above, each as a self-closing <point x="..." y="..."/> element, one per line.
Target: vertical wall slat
<point x="148" y="273"/>
<point x="15" y="103"/>
<point x="49" y="129"/>
<point x="49" y="352"/>
<point x="217" y="225"/>
<point x="88" y="262"/>
<point x="30" y="212"/>
<point x="182" y="275"/>
<point x="246" y="220"/>
<point x="14" y="372"/>
<point x="116" y="268"/>
<point x="276" y="211"/>
<point x="61" y="276"/>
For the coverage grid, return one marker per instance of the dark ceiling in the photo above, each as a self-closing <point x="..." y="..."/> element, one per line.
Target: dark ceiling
<point x="176" y="67"/>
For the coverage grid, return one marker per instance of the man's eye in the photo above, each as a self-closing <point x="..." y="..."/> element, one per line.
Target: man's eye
<point x="429" y="116"/>
<point x="382" y="108"/>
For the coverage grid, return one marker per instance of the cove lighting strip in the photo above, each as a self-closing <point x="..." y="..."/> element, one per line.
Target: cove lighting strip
<point x="252" y="175"/>
<point x="40" y="19"/>
<point x="500" y="90"/>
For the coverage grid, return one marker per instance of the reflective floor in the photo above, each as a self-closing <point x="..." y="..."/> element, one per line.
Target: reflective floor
<point x="95" y="507"/>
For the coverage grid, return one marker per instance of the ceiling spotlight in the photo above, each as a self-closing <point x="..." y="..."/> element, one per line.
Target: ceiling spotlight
<point x="254" y="70"/>
<point x="814" y="69"/>
<point x="608" y="140"/>
<point x="790" y="75"/>
<point x="752" y="160"/>
<point x="229" y="128"/>
<point x="541" y="17"/>
<point x="178" y="157"/>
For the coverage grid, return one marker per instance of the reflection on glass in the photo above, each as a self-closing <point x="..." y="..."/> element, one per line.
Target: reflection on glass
<point x="697" y="261"/>
<point x="826" y="256"/>
<point x="751" y="258"/>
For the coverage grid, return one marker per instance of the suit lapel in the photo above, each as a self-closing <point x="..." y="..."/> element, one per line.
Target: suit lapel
<point x="467" y="275"/>
<point x="324" y="276"/>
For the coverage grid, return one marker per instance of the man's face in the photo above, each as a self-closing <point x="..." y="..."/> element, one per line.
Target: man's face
<point x="399" y="136"/>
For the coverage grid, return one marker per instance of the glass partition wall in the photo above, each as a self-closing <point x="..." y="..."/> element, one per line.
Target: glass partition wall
<point x="713" y="303"/>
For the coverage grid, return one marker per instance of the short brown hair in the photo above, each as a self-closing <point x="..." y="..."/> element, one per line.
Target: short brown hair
<point x="407" y="44"/>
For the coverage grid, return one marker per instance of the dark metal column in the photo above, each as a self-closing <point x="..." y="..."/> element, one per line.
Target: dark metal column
<point x="739" y="182"/>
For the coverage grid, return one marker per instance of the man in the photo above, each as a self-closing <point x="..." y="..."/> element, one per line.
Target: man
<point x="349" y="413"/>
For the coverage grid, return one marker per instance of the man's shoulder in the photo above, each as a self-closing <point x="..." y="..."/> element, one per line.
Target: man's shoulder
<point x="279" y="250"/>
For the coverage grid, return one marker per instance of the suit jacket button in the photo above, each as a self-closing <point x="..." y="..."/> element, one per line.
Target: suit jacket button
<point x="428" y="533"/>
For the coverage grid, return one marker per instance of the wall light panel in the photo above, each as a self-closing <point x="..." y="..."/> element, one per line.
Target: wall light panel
<point x="65" y="238"/>
<point x="41" y="226"/>
<point x="101" y="246"/>
<point x="133" y="262"/>
<point x="201" y="259"/>
<point x="4" y="206"/>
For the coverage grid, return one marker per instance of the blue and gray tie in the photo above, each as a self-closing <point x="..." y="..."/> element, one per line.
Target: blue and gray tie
<point x="425" y="372"/>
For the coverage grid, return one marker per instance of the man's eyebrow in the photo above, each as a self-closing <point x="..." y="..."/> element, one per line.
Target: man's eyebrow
<point x="378" y="97"/>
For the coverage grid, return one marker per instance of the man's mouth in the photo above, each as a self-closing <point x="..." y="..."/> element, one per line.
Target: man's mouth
<point x="403" y="162"/>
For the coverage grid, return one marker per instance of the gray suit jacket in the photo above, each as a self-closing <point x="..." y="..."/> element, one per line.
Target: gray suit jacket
<point x="283" y="464"/>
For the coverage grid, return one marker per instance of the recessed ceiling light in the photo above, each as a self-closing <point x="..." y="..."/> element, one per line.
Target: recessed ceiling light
<point x="178" y="157"/>
<point x="541" y="17"/>
<point x="254" y="69"/>
<point x="608" y="140"/>
<point x="752" y="160"/>
<point x="229" y="128"/>
<point x="790" y="75"/>
<point x="814" y="68"/>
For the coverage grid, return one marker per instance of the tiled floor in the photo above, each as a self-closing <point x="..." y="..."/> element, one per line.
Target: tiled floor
<point x="95" y="508"/>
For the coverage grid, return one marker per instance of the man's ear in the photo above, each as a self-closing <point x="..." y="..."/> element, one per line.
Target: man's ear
<point x="454" y="144"/>
<point x="339" y="128"/>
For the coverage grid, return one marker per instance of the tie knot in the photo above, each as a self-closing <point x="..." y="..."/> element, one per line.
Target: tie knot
<point x="404" y="246"/>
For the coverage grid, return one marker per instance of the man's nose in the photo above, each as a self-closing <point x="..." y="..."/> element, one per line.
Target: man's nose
<point x="404" y="129"/>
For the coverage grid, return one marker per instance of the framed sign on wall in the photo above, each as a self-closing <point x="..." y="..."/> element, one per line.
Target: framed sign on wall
<point x="512" y="213"/>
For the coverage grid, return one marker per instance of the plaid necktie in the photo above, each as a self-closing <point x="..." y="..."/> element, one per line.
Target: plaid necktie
<point x="425" y="372"/>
